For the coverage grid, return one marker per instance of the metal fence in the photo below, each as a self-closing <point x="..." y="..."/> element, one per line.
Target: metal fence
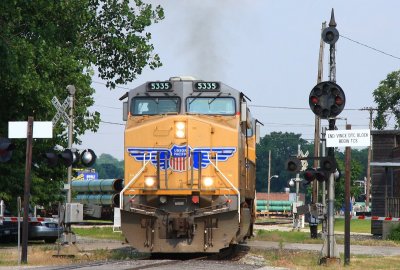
<point x="392" y="208"/>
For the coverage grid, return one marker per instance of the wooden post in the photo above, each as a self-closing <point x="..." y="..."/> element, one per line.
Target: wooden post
<point x="27" y="190"/>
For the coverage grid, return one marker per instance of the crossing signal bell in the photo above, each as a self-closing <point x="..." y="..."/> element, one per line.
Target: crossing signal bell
<point x="327" y="100"/>
<point x="6" y="147"/>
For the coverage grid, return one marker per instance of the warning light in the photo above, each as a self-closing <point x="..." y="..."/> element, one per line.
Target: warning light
<point x="327" y="100"/>
<point x="314" y="99"/>
<point x="338" y="101"/>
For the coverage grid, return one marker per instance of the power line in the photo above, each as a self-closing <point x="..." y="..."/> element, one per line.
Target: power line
<point x="290" y="108"/>
<point x="109" y="107"/>
<point x="369" y="47"/>
<point x="126" y="88"/>
<point x="112" y="123"/>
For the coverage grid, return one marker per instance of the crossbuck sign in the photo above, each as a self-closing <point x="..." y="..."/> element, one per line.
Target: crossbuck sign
<point x="304" y="163"/>
<point x="60" y="110"/>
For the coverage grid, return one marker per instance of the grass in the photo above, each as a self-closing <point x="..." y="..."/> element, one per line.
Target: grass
<point x="356" y="225"/>
<point x="44" y="255"/>
<point x="309" y="260"/>
<point x="99" y="233"/>
<point x="289" y="237"/>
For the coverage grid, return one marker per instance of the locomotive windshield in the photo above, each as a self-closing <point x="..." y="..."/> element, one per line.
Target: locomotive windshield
<point x="211" y="105"/>
<point x="154" y="105"/>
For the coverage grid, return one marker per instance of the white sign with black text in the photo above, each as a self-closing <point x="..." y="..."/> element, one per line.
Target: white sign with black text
<point x="343" y="138"/>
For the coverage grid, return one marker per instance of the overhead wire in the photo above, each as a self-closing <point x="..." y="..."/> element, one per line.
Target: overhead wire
<point x="370" y="47"/>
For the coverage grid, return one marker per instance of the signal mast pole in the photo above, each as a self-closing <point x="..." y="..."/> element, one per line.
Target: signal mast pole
<point x="69" y="237"/>
<point x="330" y="251"/>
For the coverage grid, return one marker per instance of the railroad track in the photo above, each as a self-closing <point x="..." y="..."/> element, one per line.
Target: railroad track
<point x="274" y="222"/>
<point x="164" y="261"/>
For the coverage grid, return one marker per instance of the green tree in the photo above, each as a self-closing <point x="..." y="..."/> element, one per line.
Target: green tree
<point x="47" y="45"/>
<point x="387" y="97"/>
<point x="282" y="146"/>
<point x="109" y="167"/>
<point x="355" y="174"/>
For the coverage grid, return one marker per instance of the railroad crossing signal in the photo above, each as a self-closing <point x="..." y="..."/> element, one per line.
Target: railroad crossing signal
<point x="70" y="157"/>
<point x="60" y="110"/>
<point x="293" y="165"/>
<point x="311" y="174"/>
<point x="327" y="100"/>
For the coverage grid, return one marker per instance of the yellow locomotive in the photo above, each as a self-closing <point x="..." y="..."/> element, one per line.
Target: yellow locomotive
<point x="189" y="167"/>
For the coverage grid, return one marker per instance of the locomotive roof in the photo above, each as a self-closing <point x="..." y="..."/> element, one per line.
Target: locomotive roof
<point x="183" y="86"/>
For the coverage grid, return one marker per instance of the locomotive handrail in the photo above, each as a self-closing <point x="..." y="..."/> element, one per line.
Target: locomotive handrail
<point x="227" y="180"/>
<point x="205" y="211"/>
<point x="121" y="194"/>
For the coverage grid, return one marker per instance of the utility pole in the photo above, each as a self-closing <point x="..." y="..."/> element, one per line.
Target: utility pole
<point x="269" y="178"/>
<point x="314" y="198"/>
<point x="368" y="182"/>
<point x="296" y="216"/>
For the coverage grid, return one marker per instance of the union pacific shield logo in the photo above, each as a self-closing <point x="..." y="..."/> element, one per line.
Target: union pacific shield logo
<point x="178" y="161"/>
<point x="176" y="158"/>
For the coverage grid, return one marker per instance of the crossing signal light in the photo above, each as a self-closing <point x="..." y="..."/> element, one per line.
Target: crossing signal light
<point x="51" y="159"/>
<point x="309" y="175"/>
<point x="66" y="157"/>
<point x="328" y="164"/>
<point x="70" y="157"/>
<point x="88" y="158"/>
<point x="6" y="147"/>
<point x="293" y="165"/>
<point x="327" y="100"/>
<point x="312" y="174"/>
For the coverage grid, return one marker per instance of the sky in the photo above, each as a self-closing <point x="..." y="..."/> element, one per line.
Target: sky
<point x="269" y="51"/>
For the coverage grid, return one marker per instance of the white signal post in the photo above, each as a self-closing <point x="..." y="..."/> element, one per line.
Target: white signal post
<point x="69" y="120"/>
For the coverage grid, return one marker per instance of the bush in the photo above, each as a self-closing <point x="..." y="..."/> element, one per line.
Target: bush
<point x="394" y="234"/>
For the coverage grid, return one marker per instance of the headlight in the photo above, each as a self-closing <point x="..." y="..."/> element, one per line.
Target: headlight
<point x="208" y="181"/>
<point x="180" y="129"/>
<point x="149" y="181"/>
